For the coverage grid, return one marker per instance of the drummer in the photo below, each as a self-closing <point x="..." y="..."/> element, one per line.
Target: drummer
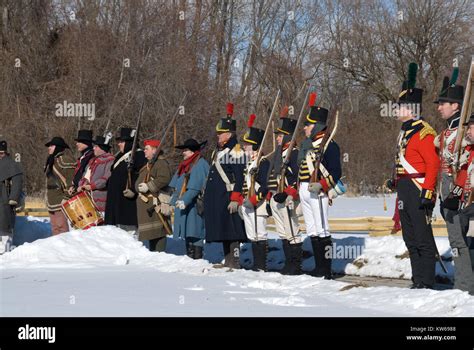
<point x="97" y="173"/>
<point x="59" y="171"/>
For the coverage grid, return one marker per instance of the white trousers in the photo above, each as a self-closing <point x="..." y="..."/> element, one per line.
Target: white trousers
<point x="282" y="222"/>
<point x="249" y="220"/>
<point x="313" y="206"/>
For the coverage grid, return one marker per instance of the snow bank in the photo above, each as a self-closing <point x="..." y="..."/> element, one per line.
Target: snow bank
<point x="108" y="245"/>
<point x="112" y="261"/>
<point x="99" y="246"/>
<point x="387" y="257"/>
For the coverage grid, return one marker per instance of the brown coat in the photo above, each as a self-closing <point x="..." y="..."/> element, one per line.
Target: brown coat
<point x="157" y="177"/>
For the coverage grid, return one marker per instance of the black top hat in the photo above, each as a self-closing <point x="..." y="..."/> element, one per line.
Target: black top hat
<point x="57" y="141"/>
<point x="317" y="116"/>
<point x="409" y="93"/>
<point x="126" y="134"/>
<point x="287" y="125"/>
<point x="84" y="136"/>
<point x="227" y="124"/>
<point x="450" y="92"/>
<point x="3" y="146"/>
<point x="102" y="142"/>
<point x="192" y="145"/>
<point x="253" y="135"/>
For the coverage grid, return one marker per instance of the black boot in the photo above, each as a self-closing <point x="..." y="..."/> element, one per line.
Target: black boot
<point x="260" y="251"/>
<point x="190" y="250"/>
<point x="323" y="263"/>
<point x="232" y="258"/>
<point x="227" y="253"/>
<point x="293" y="258"/>
<point x="198" y="252"/>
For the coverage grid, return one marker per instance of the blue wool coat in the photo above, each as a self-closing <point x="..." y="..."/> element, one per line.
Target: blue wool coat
<point x="187" y="222"/>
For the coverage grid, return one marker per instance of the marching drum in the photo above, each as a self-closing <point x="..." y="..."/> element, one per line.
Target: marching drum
<point x="82" y="212"/>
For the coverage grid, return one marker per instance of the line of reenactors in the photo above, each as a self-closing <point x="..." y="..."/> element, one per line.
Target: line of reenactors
<point x="423" y="166"/>
<point x="230" y="200"/>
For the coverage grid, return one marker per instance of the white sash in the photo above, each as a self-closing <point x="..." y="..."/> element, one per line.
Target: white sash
<point x="229" y="186"/>
<point x="122" y="158"/>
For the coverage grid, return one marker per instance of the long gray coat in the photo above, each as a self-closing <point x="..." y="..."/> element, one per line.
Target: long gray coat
<point x="11" y="184"/>
<point x="187" y="222"/>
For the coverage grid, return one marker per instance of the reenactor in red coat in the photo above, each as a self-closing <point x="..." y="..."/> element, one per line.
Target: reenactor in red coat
<point x="417" y="166"/>
<point x="459" y="206"/>
<point x="449" y="106"/>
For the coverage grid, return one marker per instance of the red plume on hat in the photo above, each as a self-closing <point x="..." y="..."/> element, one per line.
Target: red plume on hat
<point x="230" y="109"/>
<point x="284" y="112"/>
<point x="312" y="99"/>
<point x="251" y="120"/>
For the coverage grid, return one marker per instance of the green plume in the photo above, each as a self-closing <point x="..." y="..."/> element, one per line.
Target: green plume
<point x="454" y="76"/>
<point x="412" y="70"/>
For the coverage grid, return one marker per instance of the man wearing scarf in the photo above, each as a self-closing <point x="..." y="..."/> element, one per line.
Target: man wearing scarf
<point x="417" y="167"/>
<point x="188" y="182"/>
<point x="314" y="196"/>
<point x="97" y="173"/>
<point x="121" y="207"/>
<point x="59" y="170"/>
<point x="223" y="193"/>
<point x="11" y="184"/>
<point x="153" y="178"/>
<point x="283" y="204"/>
<point x="254" y="209"/>
<point x="84" y="147"/>
<point x="449" y="106"/>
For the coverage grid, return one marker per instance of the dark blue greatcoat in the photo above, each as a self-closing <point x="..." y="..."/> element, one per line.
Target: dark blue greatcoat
<point x="220" y="224"/>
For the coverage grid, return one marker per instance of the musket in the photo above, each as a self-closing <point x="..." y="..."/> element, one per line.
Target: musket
<point x="465" y="113"/>
<point x="168" y="128"/>
<point x="286" y="161"/>
<point x="131" y="163"/>
<point x="155" y="158"/>
<point x="323" y="146"/>
<point x="253" y="176"/>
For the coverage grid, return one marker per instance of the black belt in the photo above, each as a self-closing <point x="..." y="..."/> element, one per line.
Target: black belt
<point x="410" y="176"/>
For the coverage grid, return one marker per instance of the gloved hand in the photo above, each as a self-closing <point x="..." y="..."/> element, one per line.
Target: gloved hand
<point x="427" y="200"/>
<point x="165" y="209"/>
<point x="315" y="187"/>
<point x="289" y="202"/>
<point x="454" y="198"/>
<point x="280" y="197"/>
<point x="128" y="193"/>
<point x="464" y="158"/>
<point x="390" y="184"/>
<point x="180" y="205"/>
<point x="71" y="190"/>
<point x="253" y="171"/>
<point x="12" y="203"/>
<point x="233" y="207"/>
<point x="143" y="188"/>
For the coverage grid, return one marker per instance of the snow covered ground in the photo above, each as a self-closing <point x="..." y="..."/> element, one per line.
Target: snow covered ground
<point x="104" y="272"/>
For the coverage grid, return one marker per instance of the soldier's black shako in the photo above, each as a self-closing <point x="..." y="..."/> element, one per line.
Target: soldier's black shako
<point x="450" y="91"/>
